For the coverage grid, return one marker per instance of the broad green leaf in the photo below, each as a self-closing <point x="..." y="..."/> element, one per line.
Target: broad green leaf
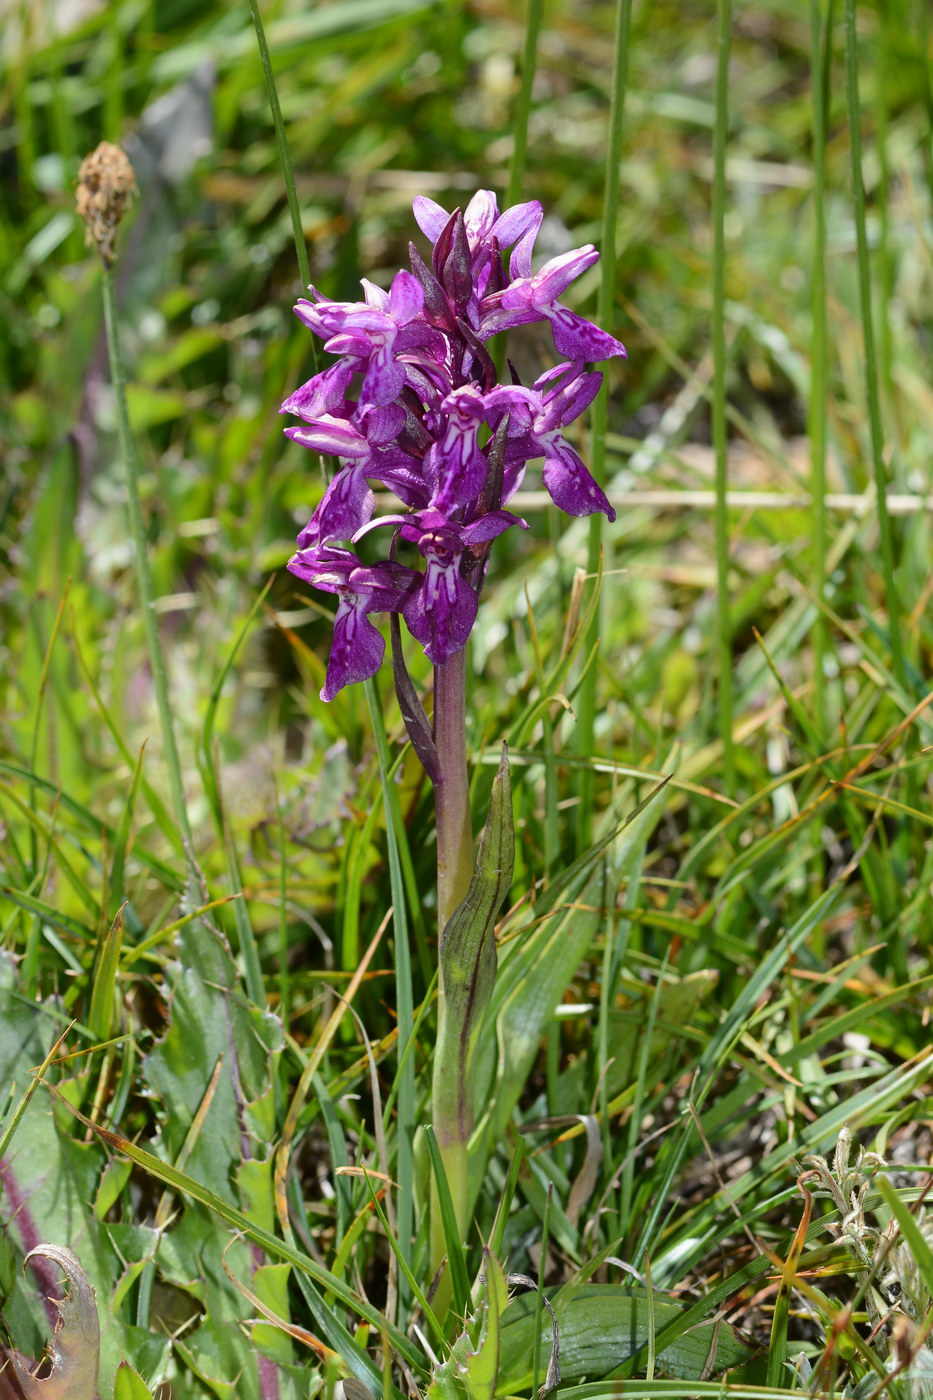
<point x="677" y="1004"/>
<point x="135" y="1245"/>
<point x="270" y="1284"/>
<point x="603" y="1324"/>
<point x="47" y="1178"/>
<point x="468" y="957"/>
<point x="210" y="1022"/>
<point x="539" y="963"/>
<point x="114" y="1178"/>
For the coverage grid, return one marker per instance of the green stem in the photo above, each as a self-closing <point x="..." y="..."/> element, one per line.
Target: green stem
<point x="288" y="173"/>
<point x="586" y="706"/>
<point x="451" y="790"/>
<point x="818" y="361"/>
<point x="404" y="997"/>
<point x="454" y="869"/>
<point x="871" y="364"/>
<point x="723" y="611"/>
<point x="523" y="107"/>
<point x="144" y="575"/>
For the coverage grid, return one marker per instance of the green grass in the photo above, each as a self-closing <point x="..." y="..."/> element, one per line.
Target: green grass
<point x="701" y="981"/>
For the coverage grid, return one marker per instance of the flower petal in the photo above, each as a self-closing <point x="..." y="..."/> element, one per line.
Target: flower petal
<point x="347" y="505"/>
<point x="326" y="569"/>
<point x="581" y="340"/>
<point x="556" y="276"/>
<point x="429" y="216"/>
<point x="489" y="526"/>
<point x="440" y="615"/>
<point x="519" y="225"/>
<point x="322" y="394"/>
<point x="569" y="484"/>
<point x="357" y="649"/>
<point x="569" y="398"/>
<point x="381" y="425"/>
<point x="326" y="434"/>
<point x="406" y="297"/>
<point x="480" y="215"/>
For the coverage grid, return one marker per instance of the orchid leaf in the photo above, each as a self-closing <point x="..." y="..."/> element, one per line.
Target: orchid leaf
<point x="543" y="958"/>
<point x="603" y="1324"/>
<point x="468" y="954"/>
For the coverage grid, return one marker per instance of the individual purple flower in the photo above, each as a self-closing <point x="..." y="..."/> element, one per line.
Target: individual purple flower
<point x="358" y="647"/>
<point x="536" y="417"/>
<point x="440" y="613"/>
<point x="371" y="333"/>
<point x="455" y="464"/>
<point x="535" y="298"/>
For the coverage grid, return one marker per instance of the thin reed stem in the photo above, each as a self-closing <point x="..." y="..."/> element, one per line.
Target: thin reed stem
<point x="720" y="442"/>
<point x="288" y="173"/>
<point x="523" y="106"/>
<point x="816" y="408"/>
<point x="144" y="576"/>
<point x="404" y="996"/>
<point x="870" y="355"/>
<point x="586" y="703"/>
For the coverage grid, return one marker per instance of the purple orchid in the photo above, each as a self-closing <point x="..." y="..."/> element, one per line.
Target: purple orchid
<point x="412" y="403"/>
<point x="358" y="648"/>
<point x="370" y="333"/>
<point x="536" y="417"/>
<point x="535" y="298"/>
<point x="487" y="231"/>
<point x="440" y="612"/>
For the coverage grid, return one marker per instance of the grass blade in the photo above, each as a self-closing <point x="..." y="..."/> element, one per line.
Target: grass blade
<point x="720" y="437"/>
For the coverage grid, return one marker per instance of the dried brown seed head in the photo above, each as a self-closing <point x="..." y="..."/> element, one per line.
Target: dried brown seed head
<point x="106" y="184"/>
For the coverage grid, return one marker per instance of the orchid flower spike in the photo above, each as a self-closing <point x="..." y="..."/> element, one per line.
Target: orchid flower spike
<point x="412" y="403"/>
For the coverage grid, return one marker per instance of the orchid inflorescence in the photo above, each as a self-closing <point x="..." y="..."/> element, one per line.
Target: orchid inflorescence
<point x="426" y="392"/>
